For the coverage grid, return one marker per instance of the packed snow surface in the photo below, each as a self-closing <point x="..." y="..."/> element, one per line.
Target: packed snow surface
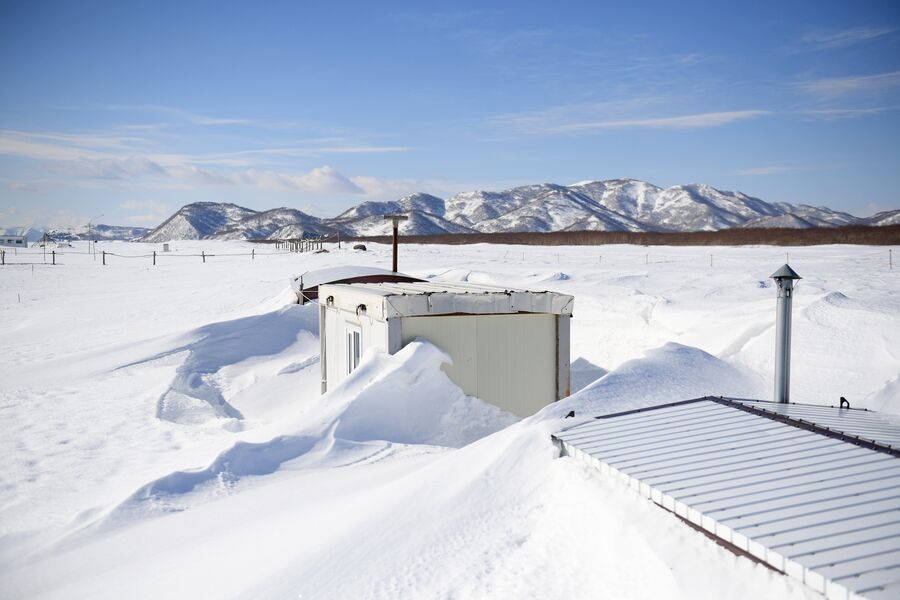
<point x="164" y="435"/>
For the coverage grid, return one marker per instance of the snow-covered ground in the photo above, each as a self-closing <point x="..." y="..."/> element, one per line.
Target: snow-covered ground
<point x="163" y="435"/>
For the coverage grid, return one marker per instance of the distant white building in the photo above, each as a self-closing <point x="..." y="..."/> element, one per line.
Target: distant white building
<point x="17" y="241"/>
<point x="509" y="347"/>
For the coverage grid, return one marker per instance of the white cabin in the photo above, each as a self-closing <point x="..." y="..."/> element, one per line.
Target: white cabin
<point x="16" y="241"/>
<point x="510" y="347"/>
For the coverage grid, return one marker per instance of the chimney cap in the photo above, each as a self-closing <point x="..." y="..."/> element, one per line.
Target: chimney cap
<point x="785" y="272"/>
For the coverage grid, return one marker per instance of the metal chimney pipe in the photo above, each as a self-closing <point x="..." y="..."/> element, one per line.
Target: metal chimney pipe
<point x="396" y="221"/>
<point x="784" y="281"/>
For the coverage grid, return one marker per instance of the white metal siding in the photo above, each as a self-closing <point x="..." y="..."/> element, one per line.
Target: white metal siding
<point x="819" y="508"/>
<point x="334" y="343"/>
<point x="507" y="360"/>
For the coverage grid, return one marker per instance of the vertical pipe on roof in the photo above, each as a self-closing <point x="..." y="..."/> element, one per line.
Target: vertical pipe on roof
<point x="394" y="267"/>
<point x="323" y="350"/>
<point x="784" y="281"/>
<point x="395" y="219"/>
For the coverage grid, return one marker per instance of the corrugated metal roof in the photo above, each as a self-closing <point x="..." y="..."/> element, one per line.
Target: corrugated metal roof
<point x="866" y="425"/>
<point x="812" y="491"/>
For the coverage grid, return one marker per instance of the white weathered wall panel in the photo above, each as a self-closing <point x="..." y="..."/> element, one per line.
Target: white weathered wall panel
<point x="507" y="360"/>
<point x="374" y="334"/>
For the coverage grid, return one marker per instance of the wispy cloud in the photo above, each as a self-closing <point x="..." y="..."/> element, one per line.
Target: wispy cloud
<point x="99" y="158"/>
<point x="557" y="123"/>
<point x="63" y="146"/>
<point x="179" y="114"/>
<point x="320" y="180"/>
<point x="317" y="150"/>
<point x="768" y="170"/>
<point x="840" y="87"/>
<point x="694" y="58"/>
<point x="825" y="40"/>
<point x="22" y="186"/>
<point x="37" y="216"/>
<point x="709" y="119"/>
<point x="149" y="212"/>
<point x="37" y="146"/>
<point x="835" y="114"/>
<point x="154" y="205"/>
<point x="185" y="172"/>
<point x="113" y="168"/>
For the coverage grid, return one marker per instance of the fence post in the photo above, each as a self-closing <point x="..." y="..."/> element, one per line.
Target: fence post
<point x="203" y="255"/>
<point x="104" y="257"/>
<point x="710" y="261"/>
<point x="3" y="256"/>
<point x="253" y="254"/>
<point x="154" y="258"/>
<point x="891" y="258"/>
<point x="54" y="256"/>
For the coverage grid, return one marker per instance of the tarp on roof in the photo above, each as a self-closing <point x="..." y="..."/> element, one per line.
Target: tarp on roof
<point x="306" y="284"/>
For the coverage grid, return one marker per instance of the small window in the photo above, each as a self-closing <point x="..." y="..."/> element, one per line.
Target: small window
<point x="18" y="241"/>
<point x="354" y="338"/>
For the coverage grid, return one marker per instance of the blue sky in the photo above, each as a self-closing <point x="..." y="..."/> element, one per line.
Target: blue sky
<point x="132" y="109"/>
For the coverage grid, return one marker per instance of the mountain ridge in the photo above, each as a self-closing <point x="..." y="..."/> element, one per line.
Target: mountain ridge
<point x="627" y="205"/>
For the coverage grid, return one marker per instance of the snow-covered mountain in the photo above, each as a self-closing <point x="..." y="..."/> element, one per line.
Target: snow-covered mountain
<point x="285" y="222"/>
<point x="426" y="217"/>
<point x="213" y="220"/>
<point x="199" y="220"/>
<point x="887" y="217"/>
<point x="609" y="205"/>
<point x="96" y="232"/>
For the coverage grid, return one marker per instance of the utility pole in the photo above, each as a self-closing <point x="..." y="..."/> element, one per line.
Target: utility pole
<point x="395" y="219"/>
<point x="91" y="236"/>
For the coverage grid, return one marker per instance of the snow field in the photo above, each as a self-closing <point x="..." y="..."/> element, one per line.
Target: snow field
<point x="167" y="437"/>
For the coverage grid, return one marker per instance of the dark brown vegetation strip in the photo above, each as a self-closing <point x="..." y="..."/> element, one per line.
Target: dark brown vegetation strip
<point x="886" y="235"/>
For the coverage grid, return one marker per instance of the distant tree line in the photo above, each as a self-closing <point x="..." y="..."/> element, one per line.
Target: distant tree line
<point x="885" y="235"/>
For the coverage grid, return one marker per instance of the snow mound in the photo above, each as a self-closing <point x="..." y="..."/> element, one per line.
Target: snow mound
<point x="583" y="373"/>
<point x="887" y="399"/>
<point x="670" y="373"/>
<point x="558" y="276"/>
<point x="836" y="298"/>
<point x="195" y="395"/>
<point x="403" y="398"/>
<point x="454" y="275"/>
<point x="414" y="402"/>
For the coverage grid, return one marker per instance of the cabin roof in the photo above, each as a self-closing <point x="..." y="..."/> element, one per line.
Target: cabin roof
<point x="316" y="277"/>
<point x="400" y="299"/>
<point x="814" y="491"/>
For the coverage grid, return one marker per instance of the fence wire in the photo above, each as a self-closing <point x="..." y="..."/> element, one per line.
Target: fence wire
<point x="580" y="257"/>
